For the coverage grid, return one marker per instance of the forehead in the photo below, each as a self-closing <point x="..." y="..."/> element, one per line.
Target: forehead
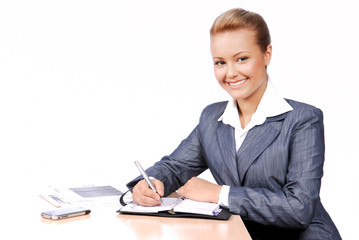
<point x="234" y="41"/>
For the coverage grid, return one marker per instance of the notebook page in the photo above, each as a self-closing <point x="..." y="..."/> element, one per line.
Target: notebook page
<point x="167" y="204"/>
<point x="191" y="206"/>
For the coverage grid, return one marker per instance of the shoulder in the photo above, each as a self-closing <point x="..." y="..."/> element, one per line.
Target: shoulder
<point x="214" y="110"/>
<point x="211" y="114"/>
<point x="302" y="108"/>
<point x="303" y="112"/>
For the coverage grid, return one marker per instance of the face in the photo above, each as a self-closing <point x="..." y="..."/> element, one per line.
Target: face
<point x="240" y="64"/>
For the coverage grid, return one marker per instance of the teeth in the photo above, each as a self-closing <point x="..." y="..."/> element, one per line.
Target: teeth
<point x="237" y="83"/>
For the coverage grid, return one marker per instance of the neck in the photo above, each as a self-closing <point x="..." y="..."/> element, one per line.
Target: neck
<point x="247" y="107"/>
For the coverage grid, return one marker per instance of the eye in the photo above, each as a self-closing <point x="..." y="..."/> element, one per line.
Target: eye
<point x="242" y="59"/>
<point x="219" y="63"/>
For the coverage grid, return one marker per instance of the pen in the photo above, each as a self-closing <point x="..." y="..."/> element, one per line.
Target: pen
<point x="145" y="176"/>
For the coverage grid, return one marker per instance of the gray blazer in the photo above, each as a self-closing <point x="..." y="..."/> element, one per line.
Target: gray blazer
<point x="274" y="178"/>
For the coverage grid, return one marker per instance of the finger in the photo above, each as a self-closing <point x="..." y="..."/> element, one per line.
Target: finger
<point x="145" y="196"/>
<point x="148" y="192"/>
<point x="181" y="191"/>
<point x="159" y="187"/>
<point x="149" y="202"/>
<point x="151" y="194"/>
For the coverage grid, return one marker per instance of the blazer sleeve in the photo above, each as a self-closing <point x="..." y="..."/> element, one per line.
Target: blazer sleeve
<point x="177" y="168"/>
<point x="188" y="159"/>
<point x="294" y="205"/>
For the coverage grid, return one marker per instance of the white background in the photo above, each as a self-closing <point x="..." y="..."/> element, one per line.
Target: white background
<point x="87" y="87"/>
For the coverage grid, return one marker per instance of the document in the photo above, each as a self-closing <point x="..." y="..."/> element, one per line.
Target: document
<point x="89" y="196"/>
<point x="180" y="205"/>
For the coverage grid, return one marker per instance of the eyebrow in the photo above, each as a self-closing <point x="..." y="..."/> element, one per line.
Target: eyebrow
<point x="235" y="55"/>
<point x="240" y="52"/>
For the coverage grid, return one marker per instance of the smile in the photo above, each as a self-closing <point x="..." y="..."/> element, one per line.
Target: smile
<point x="237" y="83"/>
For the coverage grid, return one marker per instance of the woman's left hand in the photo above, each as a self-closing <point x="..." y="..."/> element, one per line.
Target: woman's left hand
<point x="200" y="190"/>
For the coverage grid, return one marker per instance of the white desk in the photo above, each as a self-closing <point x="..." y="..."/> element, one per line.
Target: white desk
<point x="26" y="223"/>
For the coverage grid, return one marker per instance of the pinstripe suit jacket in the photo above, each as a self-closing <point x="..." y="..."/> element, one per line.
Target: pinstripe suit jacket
<point x="274" y="177"/>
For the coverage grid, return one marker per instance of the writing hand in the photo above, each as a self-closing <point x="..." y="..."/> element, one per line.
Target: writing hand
<point x="143" y="195"/>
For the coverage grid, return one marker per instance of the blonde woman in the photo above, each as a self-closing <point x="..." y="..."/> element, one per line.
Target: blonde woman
<point x="266" y="153"/>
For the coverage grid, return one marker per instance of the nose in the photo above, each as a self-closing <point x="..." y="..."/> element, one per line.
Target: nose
<point x="231" y="70"/>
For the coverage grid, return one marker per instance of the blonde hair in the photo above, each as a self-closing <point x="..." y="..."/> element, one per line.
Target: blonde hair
<point x="239" y="18"/>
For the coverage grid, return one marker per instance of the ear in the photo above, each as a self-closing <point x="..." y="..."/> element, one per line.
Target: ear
<point x="268" y="55"/>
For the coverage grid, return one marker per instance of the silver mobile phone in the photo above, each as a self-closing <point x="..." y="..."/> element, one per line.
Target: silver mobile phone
<point x="65" y="213"/>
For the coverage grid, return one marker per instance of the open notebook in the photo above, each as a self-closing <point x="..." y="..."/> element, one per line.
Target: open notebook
<point x="175" y="205"/>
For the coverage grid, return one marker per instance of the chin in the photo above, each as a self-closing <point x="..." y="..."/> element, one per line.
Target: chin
<point x="236" y="95"/>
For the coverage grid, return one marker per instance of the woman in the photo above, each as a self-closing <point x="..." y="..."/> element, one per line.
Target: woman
<point x="265" y="153"/>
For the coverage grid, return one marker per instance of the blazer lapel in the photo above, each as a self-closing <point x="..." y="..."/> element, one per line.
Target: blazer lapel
<point x="256" y="141"/>
<point x="227" y="146"/>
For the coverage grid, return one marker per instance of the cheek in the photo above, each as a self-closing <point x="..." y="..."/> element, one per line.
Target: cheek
<point x="219" y="74"/>
<point x="253" y="69"/>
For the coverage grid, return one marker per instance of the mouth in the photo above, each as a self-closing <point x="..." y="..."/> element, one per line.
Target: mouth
<point x="237" y="83"/>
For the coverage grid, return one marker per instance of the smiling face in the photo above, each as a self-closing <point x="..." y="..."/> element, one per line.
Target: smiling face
<point x="240" y="64"/>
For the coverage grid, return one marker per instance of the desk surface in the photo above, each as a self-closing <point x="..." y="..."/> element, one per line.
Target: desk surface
<point x="106" y="224"/>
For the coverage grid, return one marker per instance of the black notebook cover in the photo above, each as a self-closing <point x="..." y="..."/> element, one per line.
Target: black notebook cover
<point x="225" y="214"/>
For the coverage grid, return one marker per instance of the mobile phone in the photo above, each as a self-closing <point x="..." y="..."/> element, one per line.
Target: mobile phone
<point x="65" y="213"/>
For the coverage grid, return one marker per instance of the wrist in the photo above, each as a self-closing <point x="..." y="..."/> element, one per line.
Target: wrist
<point x="217" y="193"/>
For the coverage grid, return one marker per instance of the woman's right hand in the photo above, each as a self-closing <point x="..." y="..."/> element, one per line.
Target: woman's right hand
<point x="143" y="195"/>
